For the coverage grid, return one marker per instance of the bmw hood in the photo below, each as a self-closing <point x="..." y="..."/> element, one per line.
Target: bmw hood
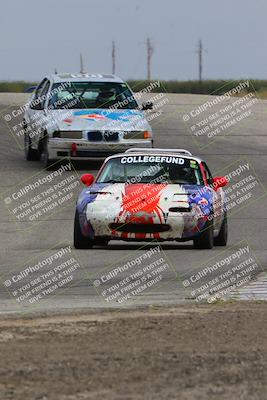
<point x="99" y="119"/>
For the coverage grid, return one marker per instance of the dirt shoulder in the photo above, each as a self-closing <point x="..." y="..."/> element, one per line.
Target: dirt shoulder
<point x="187" y="352"/>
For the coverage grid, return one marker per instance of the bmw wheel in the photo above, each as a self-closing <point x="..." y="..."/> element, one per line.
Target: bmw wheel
<point x="47" y="162"/>
<point x="30" y="153"/>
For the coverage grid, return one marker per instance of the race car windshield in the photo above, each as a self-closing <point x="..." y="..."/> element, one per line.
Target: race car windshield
<point x="82" y="95"/>
<point x="152" y="170"/>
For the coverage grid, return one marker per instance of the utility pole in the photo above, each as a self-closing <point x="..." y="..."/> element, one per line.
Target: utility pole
<point x="81" y="64"/>
<point x="200" y="63"/>
<point x="113" y="54"/>
<point x="150" y="51"/>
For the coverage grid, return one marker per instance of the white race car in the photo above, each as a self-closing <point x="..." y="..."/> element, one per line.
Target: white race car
<point x="80" y="116"/>
<point x="156" y="194"/>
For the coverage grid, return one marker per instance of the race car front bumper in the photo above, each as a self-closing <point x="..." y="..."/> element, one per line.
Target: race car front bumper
<point x="104" y="222"/>
<point x="80" y="149"/>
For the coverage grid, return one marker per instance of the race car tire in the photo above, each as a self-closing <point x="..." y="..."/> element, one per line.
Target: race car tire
<point x="80" y="241"/>
<point x="47" y="162"/>
<point x="30" y="153"/>
<point x="221" y="239"/>
<point x="101" y="242"/>
<point x="205" y="239"/>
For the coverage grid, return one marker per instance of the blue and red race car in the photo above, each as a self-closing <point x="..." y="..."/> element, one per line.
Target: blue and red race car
<point x="152" y="194"/>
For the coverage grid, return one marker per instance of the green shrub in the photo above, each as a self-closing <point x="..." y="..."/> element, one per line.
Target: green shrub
<point x="206" y="87"/>
<point x="15" y="86"/>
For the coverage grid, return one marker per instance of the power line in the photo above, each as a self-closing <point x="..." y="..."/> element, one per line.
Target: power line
<point x="113" y="55"/>
<point x="200" y="52"/>
<point x="200" y="60"/>
<point x="150" y="51"/>
<point x="81" y="64"/>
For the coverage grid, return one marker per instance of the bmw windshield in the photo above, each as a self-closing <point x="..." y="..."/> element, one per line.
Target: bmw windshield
<point x="82" y="95"/>
<point x="151" y="169"/>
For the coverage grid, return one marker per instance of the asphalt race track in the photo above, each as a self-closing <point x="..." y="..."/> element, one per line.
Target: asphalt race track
<point x="23" y="243"/>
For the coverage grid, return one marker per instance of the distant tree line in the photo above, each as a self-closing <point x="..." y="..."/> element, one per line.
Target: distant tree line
<point x="205" y="87"/>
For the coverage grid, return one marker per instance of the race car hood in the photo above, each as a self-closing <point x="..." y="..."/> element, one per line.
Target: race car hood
<point x="98" y="119"/>
<point x="146" y="198"/>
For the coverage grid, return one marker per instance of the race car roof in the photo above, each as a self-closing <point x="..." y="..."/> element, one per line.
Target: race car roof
<point x="84" y="77"/>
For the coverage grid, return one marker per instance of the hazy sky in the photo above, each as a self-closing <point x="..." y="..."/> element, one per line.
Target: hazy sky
<point x="39" y="35"/>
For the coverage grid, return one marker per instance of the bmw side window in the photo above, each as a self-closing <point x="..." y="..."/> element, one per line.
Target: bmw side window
<point x="39" y="89"/>
<point x="36" y="102"/>
<point x="43" y="94"/>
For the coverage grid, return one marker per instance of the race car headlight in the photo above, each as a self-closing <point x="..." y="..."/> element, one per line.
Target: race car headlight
<point x="147" y="135"/>
<point x="56" y="134"/>
<point x="137" y="135"/>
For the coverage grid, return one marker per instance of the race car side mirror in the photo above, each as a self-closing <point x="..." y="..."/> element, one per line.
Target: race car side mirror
<point x="219" y="181"/>
<point x="147" y="106"/>
<point x="87" y="179"/>
<point x="30" y="89"/>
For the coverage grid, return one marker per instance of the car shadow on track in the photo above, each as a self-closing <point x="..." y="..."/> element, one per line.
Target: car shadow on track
<point x="92" y="165"/>
<point x="141" y="245"/>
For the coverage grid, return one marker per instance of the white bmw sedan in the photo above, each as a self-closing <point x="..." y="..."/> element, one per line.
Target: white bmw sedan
<point x="83" y="116"/>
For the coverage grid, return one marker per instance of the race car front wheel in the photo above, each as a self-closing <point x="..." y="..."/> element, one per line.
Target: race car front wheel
<point x="80" y="241"/>
<point x="100" y="242"/>
<point x="205" y="238"/>
<point x="221" y="239"/>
